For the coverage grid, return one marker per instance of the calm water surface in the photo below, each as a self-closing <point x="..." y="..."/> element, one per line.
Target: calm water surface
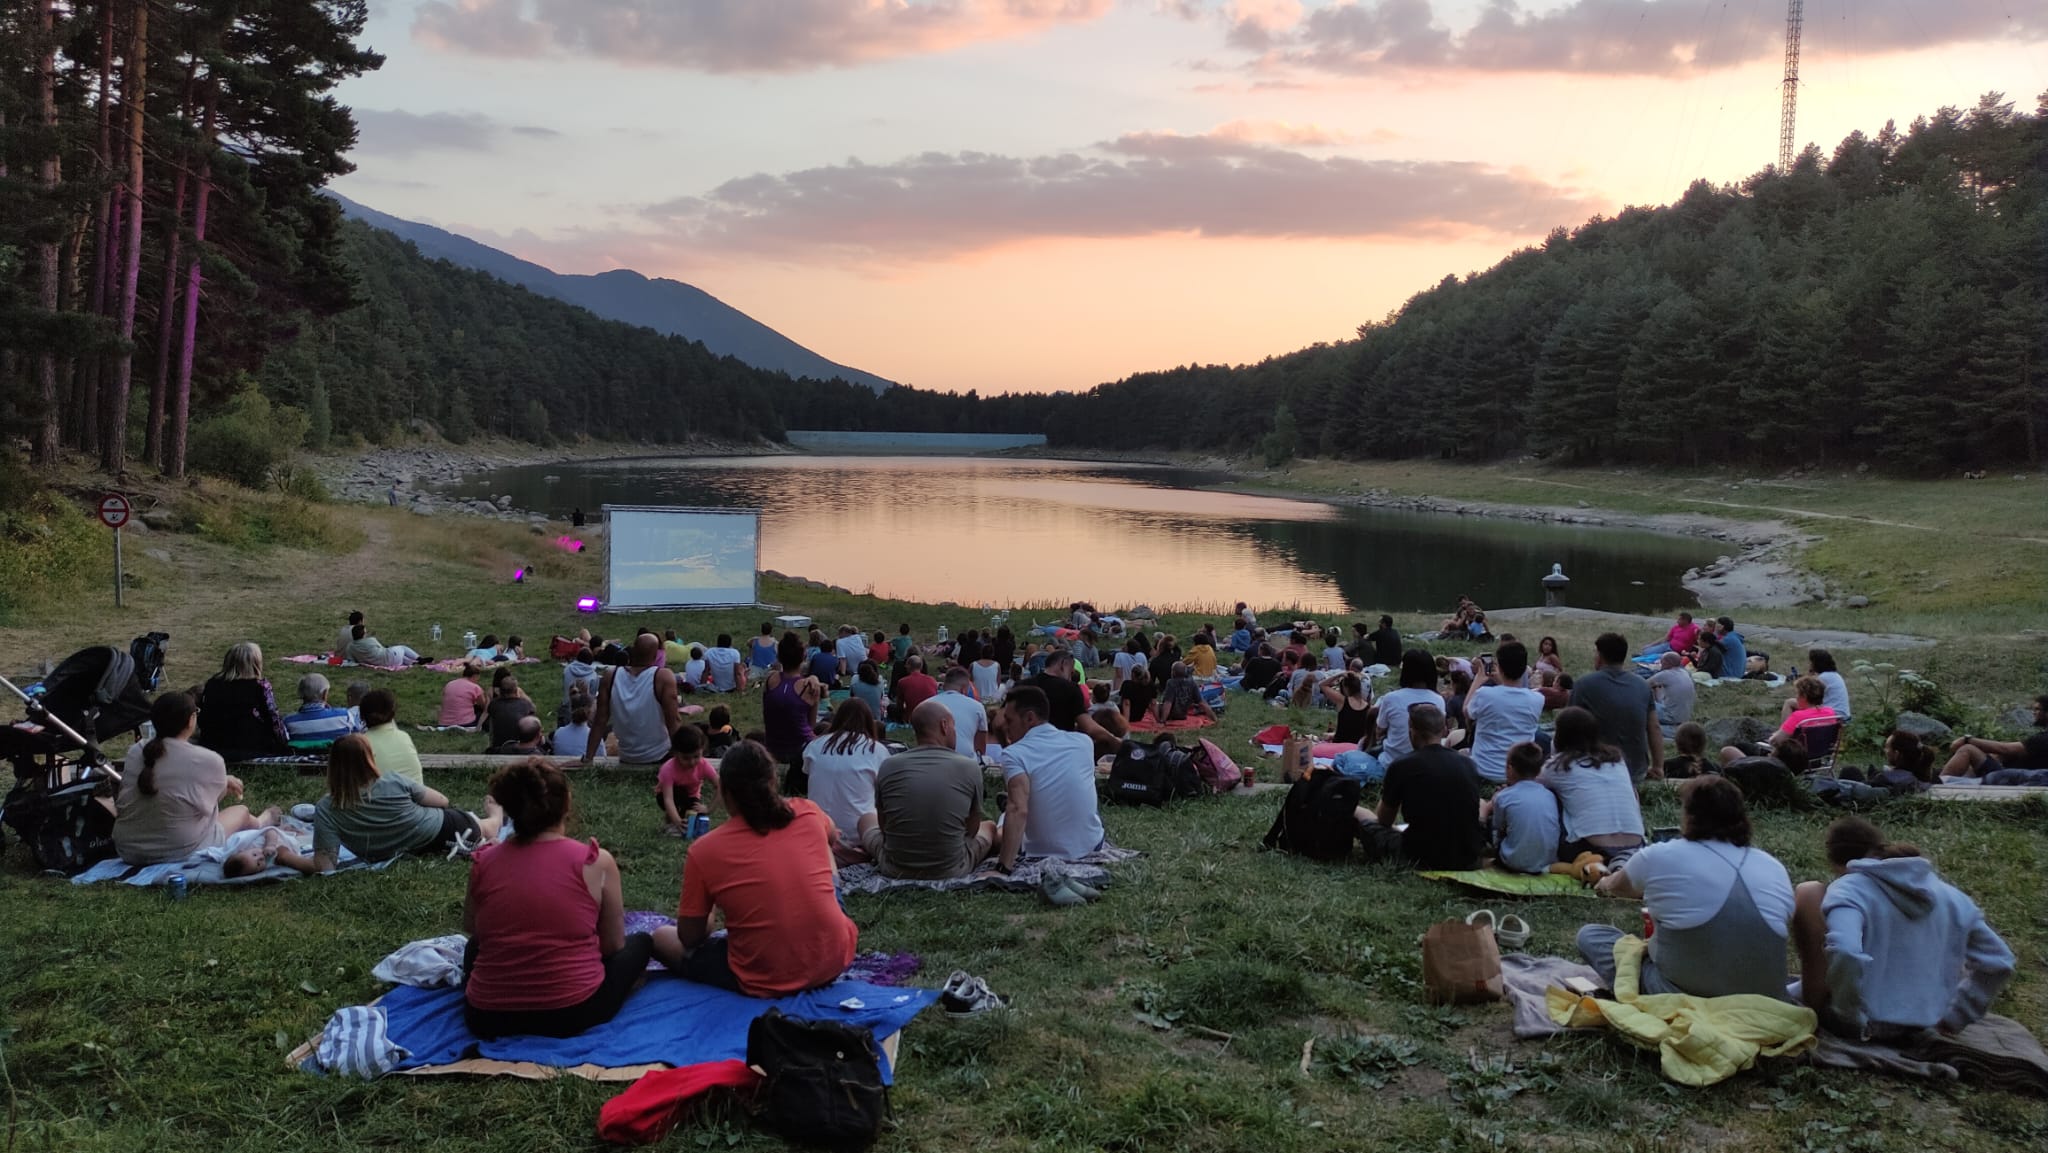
<point x="1015" y="532"/>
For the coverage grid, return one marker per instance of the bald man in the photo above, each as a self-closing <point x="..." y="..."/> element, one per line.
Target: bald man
<point x="927" y="822"/>
<point x="639" y="703"/>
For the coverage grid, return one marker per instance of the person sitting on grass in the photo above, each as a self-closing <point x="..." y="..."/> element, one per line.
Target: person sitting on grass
<point x="1679" y="639"/>
<point x="573" y="737"/>
<point x="392" y="746"/>
<point x="581" y="675"/>
<point x="238" y="715"/>
<point x="679" y="785"/>
<point x="1624" y="706"/>
<point x="1351" y="696"/>
<point x="639" y="704"/>
<point x="370" y="652"/>
<point x="1049" y="778"/>
<point x="1690" y="760"/>
<point x="725" y="670"/>
<point x="463" y="699"/>
<point x="509" y="706"/>
<point x="841" y="768"/>
<point x="1719" y="908"/>
<point x="529" y="739"/>
<point x="1134" y="703"/>
<point x="769" y="871"/>
<point x="868" y="688"/>
<point x="1502" y="714"/>
<point x="1820" y="665"/>
<point x="1523" y="816"/>
<point x="927" y="821"/>
<point x="694" y="676"/>
<point x="719" y="735"/>
<point x="548" y="953"/>
<point x="1594" y="791"/>
<point x="168" y="805"/>
<point x="970" y="716"/>
<point x="761" y="652"/>
<point x="1548" y="658"/>
<point x="1672" y="688"/>
<point x="377" y="816"/>
<point x="1417" y="687"/>
<point x="1889" y="950"/>
<point x="1908" y="764"/>
<point x="1438" y="791"/>
<point x="1181" y="698"/>
<point x="2013" y="762"/>
<point x="317" y="724"/>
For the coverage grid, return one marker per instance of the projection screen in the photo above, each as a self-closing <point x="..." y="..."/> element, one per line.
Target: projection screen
<point x="660" y="558"/>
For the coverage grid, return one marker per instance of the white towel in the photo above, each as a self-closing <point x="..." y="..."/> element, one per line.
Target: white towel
<point x="433" y="963"/>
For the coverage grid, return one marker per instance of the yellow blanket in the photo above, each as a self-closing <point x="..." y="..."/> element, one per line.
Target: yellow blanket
<point x="1702" y="1040"/>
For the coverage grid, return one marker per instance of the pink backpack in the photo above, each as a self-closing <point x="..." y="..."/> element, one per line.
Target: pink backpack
<point x="1218" y="771"/>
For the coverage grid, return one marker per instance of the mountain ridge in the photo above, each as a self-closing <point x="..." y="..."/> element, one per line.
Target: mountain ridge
<point x="667" y="306"/>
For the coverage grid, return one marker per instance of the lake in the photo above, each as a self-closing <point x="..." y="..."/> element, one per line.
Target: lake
<point x="1009" y="532"/>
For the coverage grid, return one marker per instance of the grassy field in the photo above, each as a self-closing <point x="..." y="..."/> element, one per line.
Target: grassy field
<point x="129" y="1020"/>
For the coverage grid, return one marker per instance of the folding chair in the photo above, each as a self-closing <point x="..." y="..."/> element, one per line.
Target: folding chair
<point x="1821" y="738"/>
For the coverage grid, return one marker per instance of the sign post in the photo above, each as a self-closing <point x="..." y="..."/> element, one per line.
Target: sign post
<point x="114" y="512"/>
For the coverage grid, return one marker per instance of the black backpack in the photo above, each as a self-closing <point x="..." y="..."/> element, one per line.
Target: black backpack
<point x="822" y="1081"/>
<point x="147" y="651"/>
<point x="1154" y="774"/>
<point x="1319" y="819"/>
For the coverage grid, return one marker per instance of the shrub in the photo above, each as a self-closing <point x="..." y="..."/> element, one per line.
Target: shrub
<point x="46" y="543"/>
<point x="247" y="440"/>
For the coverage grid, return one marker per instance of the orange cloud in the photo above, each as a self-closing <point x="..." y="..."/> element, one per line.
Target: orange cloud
<point x="736" y="35"/>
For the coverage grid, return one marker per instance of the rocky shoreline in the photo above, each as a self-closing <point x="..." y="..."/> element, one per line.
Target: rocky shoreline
<point x="418" y="470"/>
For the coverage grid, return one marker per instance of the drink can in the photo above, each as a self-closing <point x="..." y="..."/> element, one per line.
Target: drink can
<point x="179" y="889"/>
<point x="700" y="824"/>
<point x="1649" y="926"/>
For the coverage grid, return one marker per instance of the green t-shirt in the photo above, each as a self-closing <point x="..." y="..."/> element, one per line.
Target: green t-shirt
<point x="387" y="820"/>
<point x="900" y="646"/>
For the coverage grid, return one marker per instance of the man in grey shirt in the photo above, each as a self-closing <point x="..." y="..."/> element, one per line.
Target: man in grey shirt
<point x="927" y="821"/>
<point x="1673" y="689"/>
<point x="1625" y="707"/>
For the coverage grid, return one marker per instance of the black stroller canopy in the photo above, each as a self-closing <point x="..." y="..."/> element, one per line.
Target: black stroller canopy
<point x="95" y="691"/>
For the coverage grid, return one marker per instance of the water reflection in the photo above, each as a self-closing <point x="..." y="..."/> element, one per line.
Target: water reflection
<point x="1040" y="532"/>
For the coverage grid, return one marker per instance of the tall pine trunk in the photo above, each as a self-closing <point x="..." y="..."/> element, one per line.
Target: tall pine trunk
<point x="45" y="444"/>
<point x="181" y="397"/>
<point x="85" y="385"/>
<point x="135" y="99"/>
<point x="167" y="307"/>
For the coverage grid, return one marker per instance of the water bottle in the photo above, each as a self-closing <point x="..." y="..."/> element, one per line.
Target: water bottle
<point x="435" y="632"/>
<point x="179" y="890"/>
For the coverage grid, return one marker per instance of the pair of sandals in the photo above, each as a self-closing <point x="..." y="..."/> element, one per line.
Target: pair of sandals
<point x="966" y="995"/>
<point x="1511" y="932"/>
<point x="1064" y="892"/>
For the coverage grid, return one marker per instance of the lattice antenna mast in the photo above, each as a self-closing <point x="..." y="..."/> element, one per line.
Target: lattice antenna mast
<point x="1788" y="115"/>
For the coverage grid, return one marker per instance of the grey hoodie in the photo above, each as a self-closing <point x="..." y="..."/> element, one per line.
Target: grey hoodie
<point x="576" y="671"/>
<point x="1907" y="949"/>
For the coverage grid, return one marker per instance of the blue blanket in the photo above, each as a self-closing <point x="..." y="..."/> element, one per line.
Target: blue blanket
<point x="668" y="1021"/>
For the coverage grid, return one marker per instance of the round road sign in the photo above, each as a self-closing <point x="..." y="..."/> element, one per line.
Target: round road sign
<point x="115" y="510"/>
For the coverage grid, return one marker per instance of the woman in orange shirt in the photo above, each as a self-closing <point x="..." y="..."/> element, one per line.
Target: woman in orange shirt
<point x="769" y="872"/>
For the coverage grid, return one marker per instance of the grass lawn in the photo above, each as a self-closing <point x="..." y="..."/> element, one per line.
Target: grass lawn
<point x="128" y="1020"/>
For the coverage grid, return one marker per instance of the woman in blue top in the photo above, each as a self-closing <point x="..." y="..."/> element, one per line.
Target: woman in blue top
<point x="867" y="687"/>
<point x="761" y="652"/>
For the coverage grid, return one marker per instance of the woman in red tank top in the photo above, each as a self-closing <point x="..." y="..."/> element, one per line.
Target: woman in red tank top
<point x="548" y="953"/>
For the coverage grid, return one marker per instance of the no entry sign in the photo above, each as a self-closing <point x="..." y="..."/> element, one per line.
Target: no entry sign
<point x="115" y="510"/>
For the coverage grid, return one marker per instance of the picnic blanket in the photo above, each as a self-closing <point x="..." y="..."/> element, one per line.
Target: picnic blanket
<point x="1148" y="725"/>
<point x="1513" y="884"/>
<point x="1526" y="982"/>
<point x="450" y="665"/>
<point x="203" y="867"/>
<point x="1995" y="1053"/>
<point x="1026" y="877"/>
<point x="665" y="1022"/>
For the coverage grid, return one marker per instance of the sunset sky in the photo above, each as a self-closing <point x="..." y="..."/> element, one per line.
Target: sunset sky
<point x="1047" y="194"/>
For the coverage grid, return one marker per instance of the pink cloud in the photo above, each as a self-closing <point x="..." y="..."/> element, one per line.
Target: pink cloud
<point x="737" y="35"/>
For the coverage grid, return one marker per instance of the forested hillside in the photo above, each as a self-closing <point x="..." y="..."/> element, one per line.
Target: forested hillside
<point x="1888" y="303"/>
<point x="471" y="354"/>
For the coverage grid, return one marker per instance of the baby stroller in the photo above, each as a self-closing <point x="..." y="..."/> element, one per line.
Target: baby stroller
<point x="61" y="805"/>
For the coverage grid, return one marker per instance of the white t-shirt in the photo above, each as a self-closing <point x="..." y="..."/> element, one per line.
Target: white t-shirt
<point x="1125" y="662"/>
<point x="693" y="673"/>
<point x="843" y="784"/>
<point x="1061" y="766"/>
<point x="852" y="650"/>
<point x="1837" y="697"/>
<point x="1502" y="718"/>
<point x="723" y="662"/>
<point x="1685" y="883"/>
<point x="1393" y="719"/>
<point x="987" y="678"/>
<point x="969" y="718"/>
<point x="1334" y="659"/>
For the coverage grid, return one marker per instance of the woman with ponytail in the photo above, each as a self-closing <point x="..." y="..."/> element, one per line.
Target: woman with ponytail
<point x="548" y="952"/>
<point x="169" y="801"/>
<point x="769" y="870"/>
<point x="1888" y="950"/>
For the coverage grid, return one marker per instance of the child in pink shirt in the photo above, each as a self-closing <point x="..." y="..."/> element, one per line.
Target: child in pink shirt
<point x="680" y="785"/>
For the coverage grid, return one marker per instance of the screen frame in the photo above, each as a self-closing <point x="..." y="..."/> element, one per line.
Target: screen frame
<point x="754" y="580"/>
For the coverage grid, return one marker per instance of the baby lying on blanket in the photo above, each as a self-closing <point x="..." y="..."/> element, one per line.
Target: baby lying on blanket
<point x="254" y="850"/>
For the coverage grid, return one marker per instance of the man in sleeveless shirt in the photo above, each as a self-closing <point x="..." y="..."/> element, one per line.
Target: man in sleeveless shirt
<point x="638" y="703"/>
